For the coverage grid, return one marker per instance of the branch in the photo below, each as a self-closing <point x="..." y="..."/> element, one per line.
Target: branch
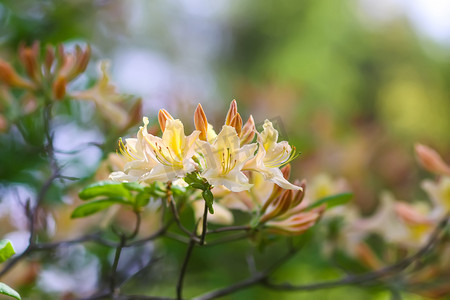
<point x="183" y="270"/>
<point x="112" y="280"/>
<point x="230" y="228"/>
<point x="262" y="277"/>
<point x="177" y="220"/>
<point x="205" y="225"/>
<point x="370" y="276"/>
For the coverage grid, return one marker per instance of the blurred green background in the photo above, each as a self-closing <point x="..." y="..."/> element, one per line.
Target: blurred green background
<point x="353" y="84"/>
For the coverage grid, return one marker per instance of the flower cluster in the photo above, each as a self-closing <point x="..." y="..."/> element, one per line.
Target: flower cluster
<point x="228" y="166"/>
<point x="50" y="77"/>
<point x="222" y="159"/>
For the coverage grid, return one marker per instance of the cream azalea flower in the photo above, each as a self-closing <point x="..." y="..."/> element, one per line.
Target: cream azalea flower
<point x="271" y="156"/>
<point x="158" y="159"/>
<point x="439" y="193"/>
<point x="138" y="162"/>
<point x="224" y="159"/>
<point x="173" y="152"/>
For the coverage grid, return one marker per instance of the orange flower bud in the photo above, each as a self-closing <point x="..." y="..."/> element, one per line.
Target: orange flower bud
<point x="29" y="59"/>
<point x="248" y="131"/>
<point x="431" y="160"/>
<point x="286" y="170"/>
<point x="279" y="206"/>
<point x="295" y="224"/>
<point x="9" y="76"/>
<point x="201" y="123"/>
<point x="135" y="114"/>
<point x="48" y="60"/>
<point x="83" y="58"/>
<point x="367" y="256"/>
<point x="59" y="88"/>
<point x="163" y="116"/>
<point x="236" y="122"/>
<point x="231" y="112"/>
<point x="277" y="190"/>
<point x="3" y="124"/>
<point x="299" y="194"/>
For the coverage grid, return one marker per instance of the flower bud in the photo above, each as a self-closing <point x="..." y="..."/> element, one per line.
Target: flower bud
<point x="367" y="256"/>
<point x="29" y="59"/>
<point x="279" y="206"/>
<point x="9" y="76"/>
<point x="49" y="59"/>
<point x="3" y="124"/>
<point x="295" y="224"/>
<point x="163" y="116"/>
<point x="83" y="58"/>
<point x="231" y="112"/>
<point x="299" y="194"/>
<point x="201" y="123"/>
<point x="248" y="131"/>
<point x="431" y="160"/>
<point x="135" y="114"/>
<point x="277" y="190"/>
<point x="59" y="88"/>
<point x="236" y="122"/>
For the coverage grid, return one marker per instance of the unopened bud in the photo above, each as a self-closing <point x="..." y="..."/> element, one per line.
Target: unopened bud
<point x="236" y="122"/>
<point x="59" y="88"/>
<point x="3" y="124"/>
<point x="83" y="60"/>
<point x="248" y="131"/>
<point x="48" y="60"/>
<point x="231" y="112"/>
<point x="431" y="160"/>
<point x="135" y="114"/>
<point x="295" y="224"/>
<point x="299" y="194"/>
<point x="29" y="58"/>
<point x="163" y="116"/>
<point x="9" y="76"/>
<point x="286" y="170"/>
<point x="201" y="123"/>
<point x="367" y="256"/>
<point x="279" y="206"/>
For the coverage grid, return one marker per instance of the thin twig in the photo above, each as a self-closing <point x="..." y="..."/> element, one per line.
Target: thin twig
<point x="112" y="280"/>
<point x="205" y="225"/>
<point x="369" y="276"/>
<point x="183" y="270"/>
<point x="137" y="227"/>
<point x="355" y="279"/>
<point x="177" y="220"/>
<point x="230" y="228"/>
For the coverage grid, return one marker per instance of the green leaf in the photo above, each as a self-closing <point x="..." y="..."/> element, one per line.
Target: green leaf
<point x="157" y="190"/>
<point x="178" y="190"/>
<point x="104" y="188"/>
<point x="133" y="186"/>
<point x="331" y="201"/>
<point x="94" y="206"/>
<point x="194" y="180"/>
<point x="142" y="199"/>
<point x="209" y="199"/>
<point x="6" y="290"/>
<point x="6" y="250"/>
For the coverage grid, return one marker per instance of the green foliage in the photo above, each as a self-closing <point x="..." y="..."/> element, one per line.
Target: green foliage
<point x="6" y="290"/>
<point x="95" y="206"/>
<point x="130" y="194"/>
<point x="332" y="201"/>
<point x="6" y="250"/>
<point x="106" y="188"/>
<point x="197" y="182"/>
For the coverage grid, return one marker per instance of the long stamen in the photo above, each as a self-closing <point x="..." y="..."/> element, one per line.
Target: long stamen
<point x="280" y="160"/>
